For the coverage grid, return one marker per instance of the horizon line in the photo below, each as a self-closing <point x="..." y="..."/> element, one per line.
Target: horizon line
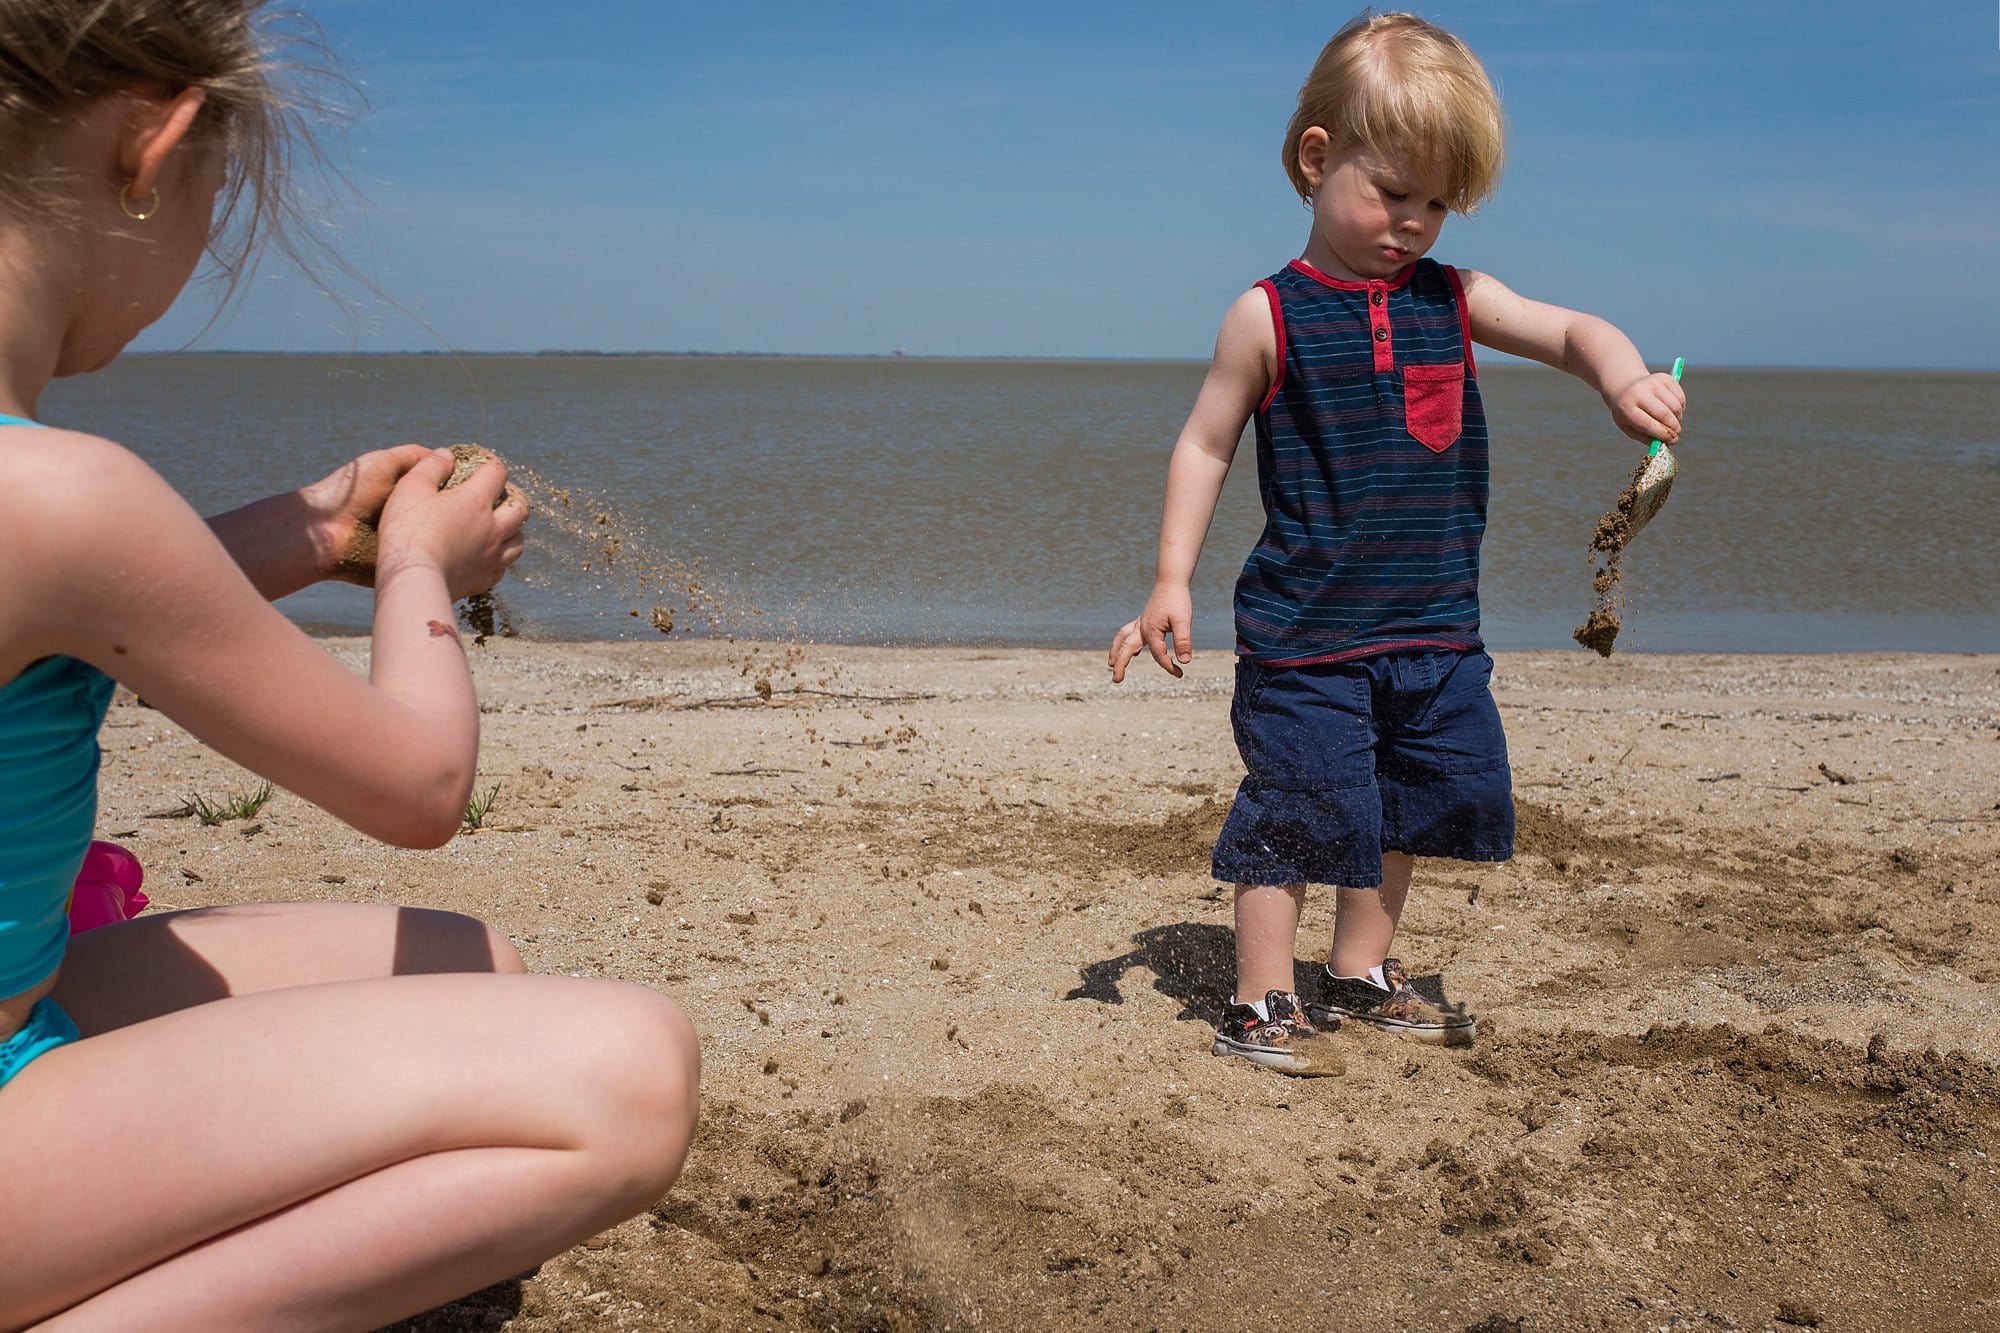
<point x="1492" y="359"/>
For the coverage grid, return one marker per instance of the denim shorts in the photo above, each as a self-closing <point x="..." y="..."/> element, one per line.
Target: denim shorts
<point x="47" y="1028"/>
<point x="1347" y="760"/>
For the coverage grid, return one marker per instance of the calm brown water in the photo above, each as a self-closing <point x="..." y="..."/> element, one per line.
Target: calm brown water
<point x="1018" y="501"/>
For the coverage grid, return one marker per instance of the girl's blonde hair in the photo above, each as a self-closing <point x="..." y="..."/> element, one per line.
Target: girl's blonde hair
<point x="1404" y="89"/>
<point x="58" y="57"/>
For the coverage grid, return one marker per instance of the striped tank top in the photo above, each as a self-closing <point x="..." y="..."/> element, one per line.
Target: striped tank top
<point x="1371" y="462"/>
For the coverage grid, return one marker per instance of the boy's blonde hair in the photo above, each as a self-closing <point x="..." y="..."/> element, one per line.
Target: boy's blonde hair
<point x="58" y="57"/>
<point x="1404" y="89"/>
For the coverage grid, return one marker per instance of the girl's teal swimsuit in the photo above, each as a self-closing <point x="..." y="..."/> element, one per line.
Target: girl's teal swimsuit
<point x="49" y="716"/>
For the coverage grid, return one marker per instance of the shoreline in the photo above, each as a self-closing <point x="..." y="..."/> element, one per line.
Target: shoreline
<point x="943" y="919"/>
<point x="1554" y="645"/>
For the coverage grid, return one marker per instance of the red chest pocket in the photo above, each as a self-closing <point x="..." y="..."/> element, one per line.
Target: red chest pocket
<point x="1434" y="404"/>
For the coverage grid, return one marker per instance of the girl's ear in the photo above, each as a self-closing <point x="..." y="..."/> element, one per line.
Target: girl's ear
<point x="157" y="127"/>
<point x="1313" y="151"/>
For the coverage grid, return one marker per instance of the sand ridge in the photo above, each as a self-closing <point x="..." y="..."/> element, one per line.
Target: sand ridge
<point x="944" y="921"/>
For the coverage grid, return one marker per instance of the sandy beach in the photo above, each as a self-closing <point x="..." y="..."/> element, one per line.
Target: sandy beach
<point x="944" y="921"/>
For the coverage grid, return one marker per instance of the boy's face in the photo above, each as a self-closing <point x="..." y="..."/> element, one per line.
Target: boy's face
<point x="1372" y="215"/>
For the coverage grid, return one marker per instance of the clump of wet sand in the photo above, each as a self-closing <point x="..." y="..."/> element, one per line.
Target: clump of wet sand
<point x="363" y="547"/>
<point x="482" y="612"/>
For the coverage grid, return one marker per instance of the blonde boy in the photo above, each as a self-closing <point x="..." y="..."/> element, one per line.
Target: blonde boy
<point x="1362" y="708"/>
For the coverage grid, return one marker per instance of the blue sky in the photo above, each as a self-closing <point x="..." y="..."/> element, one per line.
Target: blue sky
<point x="1769" y="184"/>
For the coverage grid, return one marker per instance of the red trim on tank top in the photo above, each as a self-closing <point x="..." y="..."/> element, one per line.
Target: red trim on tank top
<point x="1278" y="325"/>
<point x="1343" y="285"/>
<point x="1464" y="317"/>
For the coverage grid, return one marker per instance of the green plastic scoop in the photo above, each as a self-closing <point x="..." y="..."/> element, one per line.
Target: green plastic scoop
<point x="1650" y="487"/>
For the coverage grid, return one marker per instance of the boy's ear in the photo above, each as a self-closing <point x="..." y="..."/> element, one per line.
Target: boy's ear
<point x="1314" y="146"/>
<point x="157" y="126"/>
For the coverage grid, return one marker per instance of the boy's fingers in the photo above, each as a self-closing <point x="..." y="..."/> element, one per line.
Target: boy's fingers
<point x="1183" y="640"/>
<point x="1118" y="645"/>
<point x="1124" y="647"/>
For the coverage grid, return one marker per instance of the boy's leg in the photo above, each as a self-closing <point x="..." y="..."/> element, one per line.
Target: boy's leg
<point x="1265" y="1023"/>
<point x="1363" y="983"/>
<point x="1267" y="930"/>
<point x="1364" y="922"/>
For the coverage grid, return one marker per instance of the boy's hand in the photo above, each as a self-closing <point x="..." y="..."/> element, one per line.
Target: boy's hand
<point x="1649" y="408"/>
<point x="1169" y="612"/>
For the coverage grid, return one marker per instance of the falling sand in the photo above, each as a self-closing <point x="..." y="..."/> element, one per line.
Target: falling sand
<point x="586" y="534"/>
<point x="1600" y="629"/>
<point x="576" y="533"/>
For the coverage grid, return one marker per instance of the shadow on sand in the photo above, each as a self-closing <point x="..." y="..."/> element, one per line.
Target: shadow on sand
<point x="1195" y="963"/>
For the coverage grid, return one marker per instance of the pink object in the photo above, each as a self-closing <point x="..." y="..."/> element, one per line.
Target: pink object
<point x="107" y="888"/>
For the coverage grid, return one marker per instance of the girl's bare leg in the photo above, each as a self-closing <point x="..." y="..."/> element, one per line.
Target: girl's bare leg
<point x="127" y="973"/>
<point x="330" y="1155"/>
<point x="1364" y="921"/>
<point x="1267" y="932"/>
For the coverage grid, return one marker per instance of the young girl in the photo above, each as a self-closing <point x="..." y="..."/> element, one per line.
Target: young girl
<point x="302" y="1117"/>
<point x="1362" y="706"/>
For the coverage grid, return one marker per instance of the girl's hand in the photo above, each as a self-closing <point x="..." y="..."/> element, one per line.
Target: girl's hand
<point x="350" y="498"/>
<point x="1649" y="408"/>
<point x="458" y="532"/>
<point x="1169" y="612"/>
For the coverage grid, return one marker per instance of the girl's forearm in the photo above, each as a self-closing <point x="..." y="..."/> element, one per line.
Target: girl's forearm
<point x="1194" y="484"/>
<point x="417" y="659"/>
<point x="271" y="541"/>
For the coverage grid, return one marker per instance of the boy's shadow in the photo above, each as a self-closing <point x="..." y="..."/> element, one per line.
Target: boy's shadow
<point x="1194" y="962"/>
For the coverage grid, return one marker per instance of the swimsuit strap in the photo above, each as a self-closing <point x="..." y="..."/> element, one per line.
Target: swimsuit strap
<point x="6" y="420"/>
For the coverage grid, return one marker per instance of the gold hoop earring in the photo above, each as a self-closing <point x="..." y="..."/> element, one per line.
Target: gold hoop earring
<point x="137" y="214"/>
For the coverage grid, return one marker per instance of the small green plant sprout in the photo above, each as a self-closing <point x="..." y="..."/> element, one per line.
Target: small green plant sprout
<point x="477" y="809"/>
<point x="244" y="806"/>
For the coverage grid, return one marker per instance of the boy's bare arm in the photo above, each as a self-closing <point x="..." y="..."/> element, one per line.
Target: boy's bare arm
<point x="1646" y="405"/>
<point x="1245" y="362"/>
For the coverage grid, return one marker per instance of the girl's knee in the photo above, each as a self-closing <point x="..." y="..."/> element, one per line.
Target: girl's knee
<point x="643" y="1080"/>
<point x="644" y="1067"/>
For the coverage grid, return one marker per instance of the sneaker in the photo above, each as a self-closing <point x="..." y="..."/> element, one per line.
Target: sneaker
<point x="1285" y="1041"/>
<point x="1395" y="1007"/>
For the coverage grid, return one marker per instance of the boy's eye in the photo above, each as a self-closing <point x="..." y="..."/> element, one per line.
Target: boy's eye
<point x="1393" y="196"/>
